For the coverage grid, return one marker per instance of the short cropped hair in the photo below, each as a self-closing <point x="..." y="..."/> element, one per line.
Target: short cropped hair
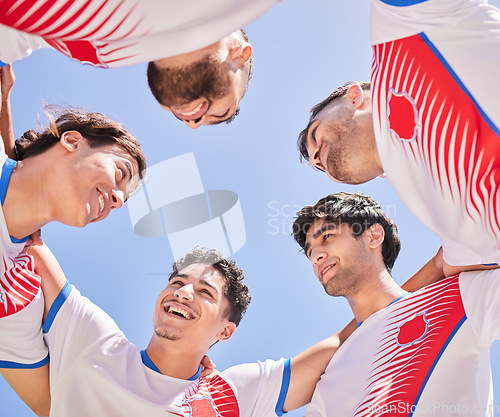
<point x="96" y="128"/>
<point x="235" y="291"/>
<point x="358" y="211"/>
<point x="337" y="93"/>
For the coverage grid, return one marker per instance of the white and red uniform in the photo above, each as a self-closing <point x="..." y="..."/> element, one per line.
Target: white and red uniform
<point x="425" y="354"/>
<point x="115" y="33"/>
<point x="96" y="371"/>
<point x="436" y="117"/>
<point x="21" y="298"/>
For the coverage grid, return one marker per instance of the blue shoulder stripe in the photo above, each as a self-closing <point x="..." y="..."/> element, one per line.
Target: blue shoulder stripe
<point x="402" y="3"/>
<point x="285" y="383"/>
<point x="459" y="82"/>
<point x="56" y="305"/>
<point x="443" y="348"/>
<point x="15" y="365"/>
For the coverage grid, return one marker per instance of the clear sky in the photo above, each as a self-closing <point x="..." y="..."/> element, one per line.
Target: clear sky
<point x="303" y="50"/>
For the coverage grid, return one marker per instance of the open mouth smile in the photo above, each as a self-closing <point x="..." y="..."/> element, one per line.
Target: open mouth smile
<point x="178" y="311"/>
<point x="325" y="270"/>
<point x="194" y="114"/>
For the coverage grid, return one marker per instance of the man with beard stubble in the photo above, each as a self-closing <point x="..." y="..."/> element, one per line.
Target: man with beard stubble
<point x="413" y="354"/>
<point x="200" y="60"/>
<point x="429" y="121"/>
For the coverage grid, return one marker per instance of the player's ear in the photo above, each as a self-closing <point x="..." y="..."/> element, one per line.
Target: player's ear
<point x="227" y="331"/>
<point x="355" y="95"/>
<point x="70" y="140"/>
<point x="241" y="53"/>
<point x="375" y="235"/>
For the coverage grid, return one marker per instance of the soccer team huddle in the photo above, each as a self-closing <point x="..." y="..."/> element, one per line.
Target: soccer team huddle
<point x="428" y="120"/>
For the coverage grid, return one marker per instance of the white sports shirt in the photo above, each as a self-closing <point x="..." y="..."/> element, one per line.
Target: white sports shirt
<point x="437" y="118"/>
<point x="21" y="298"/>
<point x="424" y="354"/>
<point x="96" y="371"/>
<point x="114" y="33"/>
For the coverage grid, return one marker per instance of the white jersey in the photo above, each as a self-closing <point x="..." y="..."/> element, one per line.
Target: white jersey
<point x="424" y="354"/>
<point x="436" y="117"/>
<point x="96" y="371"/>
<point x="21" y="298"/>
<point x="114" y="33"/>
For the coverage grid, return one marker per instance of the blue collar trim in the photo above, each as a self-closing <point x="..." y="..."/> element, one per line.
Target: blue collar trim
<point x="392" y="302"/>
<point x="149" y="363"/>
<point x="7" y="169"/>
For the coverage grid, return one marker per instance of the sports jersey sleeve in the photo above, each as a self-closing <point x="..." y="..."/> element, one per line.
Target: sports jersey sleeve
<point x="481" y="297"/>
<point x="21" y="312"/>
<point x="16" y="45"/>
<point x="261" y="387"/>
<point x="454" y="253"/>
<point x="73" y="324"/>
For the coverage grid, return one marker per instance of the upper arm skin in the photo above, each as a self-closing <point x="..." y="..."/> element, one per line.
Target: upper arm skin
<point x="32" y="386"/>
<point x="53" y="278"/>
<point x="431" y="272"/>
<point x="8" y="143"/>
<point x="308" y="366"/>
<point x="436" y="269"/>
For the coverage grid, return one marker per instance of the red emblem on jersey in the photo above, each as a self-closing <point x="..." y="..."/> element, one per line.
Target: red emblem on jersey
<point x="202" y="407"/>
<point x="412" y="330"/>
<point x="402" y="116"/>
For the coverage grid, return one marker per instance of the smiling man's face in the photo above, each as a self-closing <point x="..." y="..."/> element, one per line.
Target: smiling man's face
<point x="337" y="256"/>
<point x="205" y="86"/>
<point x="192" y="307"/>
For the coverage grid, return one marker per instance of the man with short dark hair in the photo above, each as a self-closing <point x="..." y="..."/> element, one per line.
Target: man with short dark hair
<point x="429" y="122"/>
<point x="200" y="61"/>
<point x="95" y="370"/>
<point x="411" y="352"/>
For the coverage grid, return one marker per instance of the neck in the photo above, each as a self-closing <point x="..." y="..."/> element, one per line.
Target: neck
<point x="172" y="358"/>
<point x="26" y="206"/>
<point x="374" y="296"/>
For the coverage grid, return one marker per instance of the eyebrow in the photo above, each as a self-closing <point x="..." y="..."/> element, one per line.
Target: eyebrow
<point x="319" y="232"/>
<point x="202" y="281"/>
<point x="208" y="284"/>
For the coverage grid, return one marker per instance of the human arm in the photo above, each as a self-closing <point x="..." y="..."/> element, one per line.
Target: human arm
<point x="53" y="278"/>
<point x="6" y="129"/>
<point x="23" y="353"/>
<point x="32" y="386"/>
<point x="436" y="269"/>
<point x="308" y="366"/>
<point x="431" y="272"/>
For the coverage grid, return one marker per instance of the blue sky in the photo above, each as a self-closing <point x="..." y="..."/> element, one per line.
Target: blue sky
<point x="303" y="50"/>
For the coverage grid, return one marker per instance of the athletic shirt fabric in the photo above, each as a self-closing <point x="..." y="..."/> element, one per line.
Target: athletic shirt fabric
<point x="21" y="298"/>
<point x="436" y="117"/>
<point x="115" y="33"/>
<point x="95" y="370"/>
<point x="425" y="354"/>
